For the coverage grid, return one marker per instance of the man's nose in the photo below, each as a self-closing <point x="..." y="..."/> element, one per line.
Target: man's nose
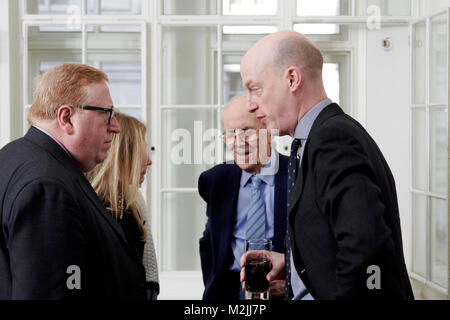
<point x="251" y="106"/>
<point x="114" y="125"/>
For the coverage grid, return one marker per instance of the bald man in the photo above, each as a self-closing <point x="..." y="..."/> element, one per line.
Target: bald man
<point x="227" y="191"/>
<point x="344" y="237"/>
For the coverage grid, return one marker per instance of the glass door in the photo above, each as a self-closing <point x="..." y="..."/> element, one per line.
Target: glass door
<point x="429" y="150"/>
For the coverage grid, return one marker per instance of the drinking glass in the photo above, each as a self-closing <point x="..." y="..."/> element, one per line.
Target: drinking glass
<point x="257" y="266"/>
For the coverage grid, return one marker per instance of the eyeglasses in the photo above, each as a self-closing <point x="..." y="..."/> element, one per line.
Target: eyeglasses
<point x="241" y="133"/>
<point x="110" y="110"/>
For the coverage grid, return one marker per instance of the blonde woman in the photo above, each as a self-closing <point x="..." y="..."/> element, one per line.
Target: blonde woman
<point x="117" y="182"/>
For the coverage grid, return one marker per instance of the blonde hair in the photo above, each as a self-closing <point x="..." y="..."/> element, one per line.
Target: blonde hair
<point x="62" y="85"/>
<point x="116" y="180"/>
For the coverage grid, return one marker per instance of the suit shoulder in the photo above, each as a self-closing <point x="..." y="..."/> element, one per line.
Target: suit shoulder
<point x="220" y="170"/>
<point x="24" y="162"/>
<point x="220" y="175"/>
<point x="338" y="127"/>
<point x="11" y="147"/>
<point x="217" y="178"/>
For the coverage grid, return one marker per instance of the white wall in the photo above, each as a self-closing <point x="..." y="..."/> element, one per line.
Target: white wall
<point x="387" y="112"/>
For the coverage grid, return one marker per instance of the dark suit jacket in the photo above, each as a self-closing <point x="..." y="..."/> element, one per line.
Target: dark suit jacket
<point x="52" y="219"/>
<point x="344" y="214"/>
<point x="219" y="187"/>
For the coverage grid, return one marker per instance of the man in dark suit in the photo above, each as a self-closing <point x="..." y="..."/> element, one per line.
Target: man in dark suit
<point x="344" y="239"/>
<point x="226" y="189"/>
<point x="56" y="240"/>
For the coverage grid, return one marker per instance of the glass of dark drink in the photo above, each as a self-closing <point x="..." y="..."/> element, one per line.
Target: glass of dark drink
<point x="257" y="266"/>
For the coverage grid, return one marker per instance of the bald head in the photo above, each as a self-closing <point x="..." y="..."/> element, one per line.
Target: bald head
<point x="294" y="49"/>
<point x="284" y="49"/>
<point x="283" y="77"/>
<point x="236" y="115"/>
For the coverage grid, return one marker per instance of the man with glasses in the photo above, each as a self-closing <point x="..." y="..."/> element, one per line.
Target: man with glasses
<point x="228" y="191"/>
<point x="56" y="240"/>
<point x="109" y="110"/>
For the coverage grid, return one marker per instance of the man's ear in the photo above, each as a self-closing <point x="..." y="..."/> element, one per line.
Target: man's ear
<point x="294" y="77"/>
<point x="65" y="119"/>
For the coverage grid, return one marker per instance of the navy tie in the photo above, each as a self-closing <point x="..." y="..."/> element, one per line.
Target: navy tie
<point x="292" y="177"/>
<point x="256" y="216"/>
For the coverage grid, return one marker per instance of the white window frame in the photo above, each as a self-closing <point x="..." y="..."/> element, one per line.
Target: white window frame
<point x="429" y="287"/>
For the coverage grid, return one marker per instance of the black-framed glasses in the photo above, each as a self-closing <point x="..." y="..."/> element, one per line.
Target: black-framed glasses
<point x="110" y="110"/>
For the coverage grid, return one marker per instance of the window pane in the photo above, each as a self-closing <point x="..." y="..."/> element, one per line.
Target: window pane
<point x="438" y="150"/>
<point x="239" y="38"/>
<point x="249" y="29"/>
<point x="114" y="7"/>
<point x="232" y="84"/>
<point x="388" y="7"/>
<point x="439" y="242"/>
<point x="47" y="65"/>
<point x="189" y="145"/>
<point x="189" y="7"/>
<point x="125" y="82"/>
<point x="133" y="112"/>
<point x="246" y="7"/>
<point x="106" y="51"/>
<point x="325" y="32"/>
<point x="323" y="7"/>
<point x="317" y="28"/>
<point x="26" y="124"/>
<point x="419" y="231"/>
<point x="419" y="63"/>
<point x="46" y="50"/>
<point x="419" y="149"/>
<point x="121" y="29"/>
<point x="331" y="81"/>
<point x="184" y="219"/>
<point x="438" y="60"/>
<point x="236" y="40"/>
<point x="189" y="65"/>
<point x="54" y="7"/>
<point x="61" y="28"/>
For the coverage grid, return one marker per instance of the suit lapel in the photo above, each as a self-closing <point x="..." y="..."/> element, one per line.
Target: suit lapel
<point x="224" y="222"/>
<point x="328" y="112"/>
<point x="280" y="212"/>
<point x="92" y="196"/>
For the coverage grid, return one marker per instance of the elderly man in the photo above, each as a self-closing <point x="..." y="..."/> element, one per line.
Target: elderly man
<point x="56" y="241"/>
<point x="344" y="239"/>
<point x="256" y="180"/>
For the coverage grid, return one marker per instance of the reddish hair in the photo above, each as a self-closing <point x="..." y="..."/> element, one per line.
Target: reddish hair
<point x="62" y="85"/>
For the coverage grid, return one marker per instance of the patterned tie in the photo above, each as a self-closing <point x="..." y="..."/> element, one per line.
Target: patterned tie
<point x="292" y="177"/>
<point x="256" y="216"/>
